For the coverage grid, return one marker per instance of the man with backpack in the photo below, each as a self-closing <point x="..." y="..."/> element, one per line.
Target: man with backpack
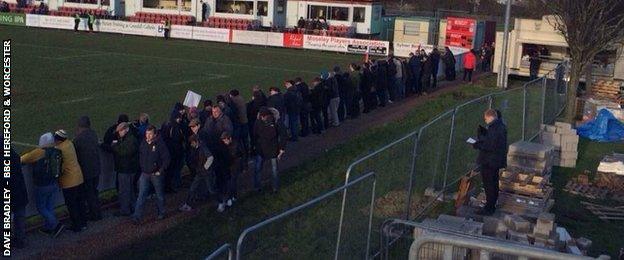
<point x="270" y="144"/>
<point x="46" y="172"/>
<point x="88" y="153"/>
<point x="70" y="180"/>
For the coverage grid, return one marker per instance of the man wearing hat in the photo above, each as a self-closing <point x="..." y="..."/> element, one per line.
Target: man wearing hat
<point x="71" y="179"/>
<point x="126" y="157"/>
<point x="88" y="153"/>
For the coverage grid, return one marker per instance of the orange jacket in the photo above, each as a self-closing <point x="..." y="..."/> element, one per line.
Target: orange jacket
<point x="470" y="60"/>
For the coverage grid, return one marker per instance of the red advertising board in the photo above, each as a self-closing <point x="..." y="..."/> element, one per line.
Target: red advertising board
<point x="460" y="32"/>
<point x="293" y="40"/>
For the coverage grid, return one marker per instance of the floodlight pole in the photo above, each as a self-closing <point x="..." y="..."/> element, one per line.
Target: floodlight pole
<point x="502" y="72"/>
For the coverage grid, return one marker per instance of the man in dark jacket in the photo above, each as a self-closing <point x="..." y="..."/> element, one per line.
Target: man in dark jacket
<point x="19" y="200"/>
<point x="153" y="159"/>
<point x="293" y="102"/>
<point x="126" y="158"/>
<point x="215" y="125"/>
<point x="317" y="95"/>
<point x="110" y="134"/>
<point x="88" y="153"/>
<point x="366" y="89"/>
<point x="201" y="160"/>
<point x="276" y="100"/>
<point x="415" y="65"/>
<point x="434" y="57"/>
<point x="534" y="65"/>
<point x="381" y="81"/>
<point x="205" y="113"/>
<point x="426" y="72"/>
<point x="492" y="145"/>
<point x="173" y="134"/>
<point x="222" y="165"/>
<point x="270" y="137"/>
<point x="304" y="117"/>
<point x="449" y="64"/>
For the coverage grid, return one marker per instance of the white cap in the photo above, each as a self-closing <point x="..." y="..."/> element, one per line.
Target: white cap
<point x="46" y="140"/>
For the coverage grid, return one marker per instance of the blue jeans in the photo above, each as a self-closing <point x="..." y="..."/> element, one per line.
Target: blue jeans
<point x="144" y="184"/>
<point x="44" y="196"/>
<point x="293" y="124"/>
<point x="259" y="163"/>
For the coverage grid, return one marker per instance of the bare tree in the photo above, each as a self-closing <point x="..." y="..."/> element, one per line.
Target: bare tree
<point x="589" y="27"/>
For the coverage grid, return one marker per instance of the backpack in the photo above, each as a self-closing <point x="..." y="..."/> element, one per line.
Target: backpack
<point x="48" y="169"/>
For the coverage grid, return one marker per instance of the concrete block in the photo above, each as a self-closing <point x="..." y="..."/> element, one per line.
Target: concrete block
<point x="549" y="128"/>
<point x="569" y="146"/>
<point x="490" y="225"/>
<point x="532" y="150"/>
<point x="561" y="126"/>
<point x="569" y="155"/>
<point x="545" y="225"/>
<point x="550" y="138"/>
<point x="518" y="237"/>
<point x="517" y="223"/>
<point x="583" y="243"/>
<point x="567" y="163"/>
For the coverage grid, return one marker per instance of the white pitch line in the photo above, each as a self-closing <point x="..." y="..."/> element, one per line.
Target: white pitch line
<point x="131" y="91"/>
<point x="182" y="82"/>
<point x="24" y="144"/>
<point x="72" y="57"/>
<point x="76" y="100"/>
<point x="174" y="59"/>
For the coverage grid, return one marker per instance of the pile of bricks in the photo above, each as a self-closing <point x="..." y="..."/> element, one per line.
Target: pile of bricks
<point x="543" y="232"/>
<point x="530" y="157"/>
<point x="611" y="90"/>
<point x="565" y="142"/>
<point x="610" y="175"/>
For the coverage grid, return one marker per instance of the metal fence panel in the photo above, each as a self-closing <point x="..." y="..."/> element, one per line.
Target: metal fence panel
<point x="534" y="108"/>
<point x="313" y="228"/>
<point x="511" y="104"/>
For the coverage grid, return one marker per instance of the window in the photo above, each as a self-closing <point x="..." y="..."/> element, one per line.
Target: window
<point x="186" y="5"/>
<point x="411" y="28"/>
<point x="263" y="8"/>
<point x="317" y="11"/>
<point x="161" y="4"/>
<point x="235" y="7"/>
<point x="359" y="14"/>
<point x="82" y="1"/>
<point x="338" y="13"/>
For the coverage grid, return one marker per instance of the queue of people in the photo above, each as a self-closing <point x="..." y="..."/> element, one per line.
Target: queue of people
<point x="218" y="142"/>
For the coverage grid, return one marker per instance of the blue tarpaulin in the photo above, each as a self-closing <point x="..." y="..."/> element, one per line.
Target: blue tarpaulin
<point x="604" y="128"/>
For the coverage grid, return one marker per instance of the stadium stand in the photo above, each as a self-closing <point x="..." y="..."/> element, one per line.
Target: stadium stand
<point x="231" y="23"/>
<point x="144" y="17"/>
<point x="69" y="11"/>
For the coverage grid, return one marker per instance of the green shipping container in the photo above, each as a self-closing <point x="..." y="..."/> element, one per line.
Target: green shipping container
<point x="18" y="19"/>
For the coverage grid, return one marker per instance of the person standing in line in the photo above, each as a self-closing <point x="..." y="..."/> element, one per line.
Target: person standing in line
<point x="276" y="100"/>
<point x="201" y="160"/>
<point x="426" y="72"/>
<point x="396" y="76"/>
<point x="206" y="112"/>
<point x="71" y="179"/>
<point x="366" y="89"/>
<point x="316" y="105"/>
<point x="45" y="174"/>
<point x="435" y="65"/>
<point x="349" y="95"/>
<point x="91" y="21"/>
<point x="241" y="128"/>
<point x="270" y="145"/>
<point x="222" y="165"/>
<point x="88" y="153"/>
<point x="381" y="84"/>
<point x="258" y="100"/>
<point x="214" y="127"/>
<point x="304" y="117"/>
<point x="492" y="146"/>
<point x="18" y="202"/>
<point x="334" y="98"/>
<point x="293" y="102"/>
<point x="449" y="64"/>
<point x="173" y="135"/>
<point x="356" y="81"/>
<point x="153" y="159"/>
<point x="236" y="156"/>
<point x="470" y="62"/>
<point x="126" y="157"/>
<point x="415" y="64"/>
<point x="76" y="21"/>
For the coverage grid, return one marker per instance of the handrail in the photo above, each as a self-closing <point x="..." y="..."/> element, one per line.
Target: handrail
<point x="226" y="247"/>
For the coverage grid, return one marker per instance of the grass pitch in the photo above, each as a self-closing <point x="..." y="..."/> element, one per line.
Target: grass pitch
<point x="60" y="75"/>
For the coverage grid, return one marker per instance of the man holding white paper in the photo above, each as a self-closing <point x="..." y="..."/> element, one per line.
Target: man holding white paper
<point x="492" y="145"/>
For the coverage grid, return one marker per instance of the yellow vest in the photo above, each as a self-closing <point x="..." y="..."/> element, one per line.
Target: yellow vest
<point x="71" y="175"/>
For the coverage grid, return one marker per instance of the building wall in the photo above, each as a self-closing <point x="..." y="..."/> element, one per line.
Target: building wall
<point x="419" y="37"/>
<point x="371" y="25"/>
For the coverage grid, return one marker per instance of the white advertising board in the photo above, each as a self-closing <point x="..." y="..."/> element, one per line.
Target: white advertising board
<point x="249" y="37"/>
<point x="144" y="29"/>
<point x="402" y="49"/>
<point x="57" y="22"/>
<point x="275" y="39"/>
<point x="182" y="31"/>
<point x="211" y="34"/>
<point x="349" y="45"/>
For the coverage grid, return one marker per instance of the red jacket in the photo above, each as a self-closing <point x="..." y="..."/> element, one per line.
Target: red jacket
<point x="470" y="60"/>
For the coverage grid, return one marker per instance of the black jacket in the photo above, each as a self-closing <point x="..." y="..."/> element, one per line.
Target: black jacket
<point x="293" y="101"/>
<point x="154" y="157"/>
<point x="174" y="135"/>
<point x="212" y="130"/>
<point x="277" y="101"/>
<point x="88" y="153"/>
<point x="492" y="146"/>
<point x="317" y="96"/>
<point x="270" y="137"/>
<point x="19" y="195"/>
<point x="126" y="154"/>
